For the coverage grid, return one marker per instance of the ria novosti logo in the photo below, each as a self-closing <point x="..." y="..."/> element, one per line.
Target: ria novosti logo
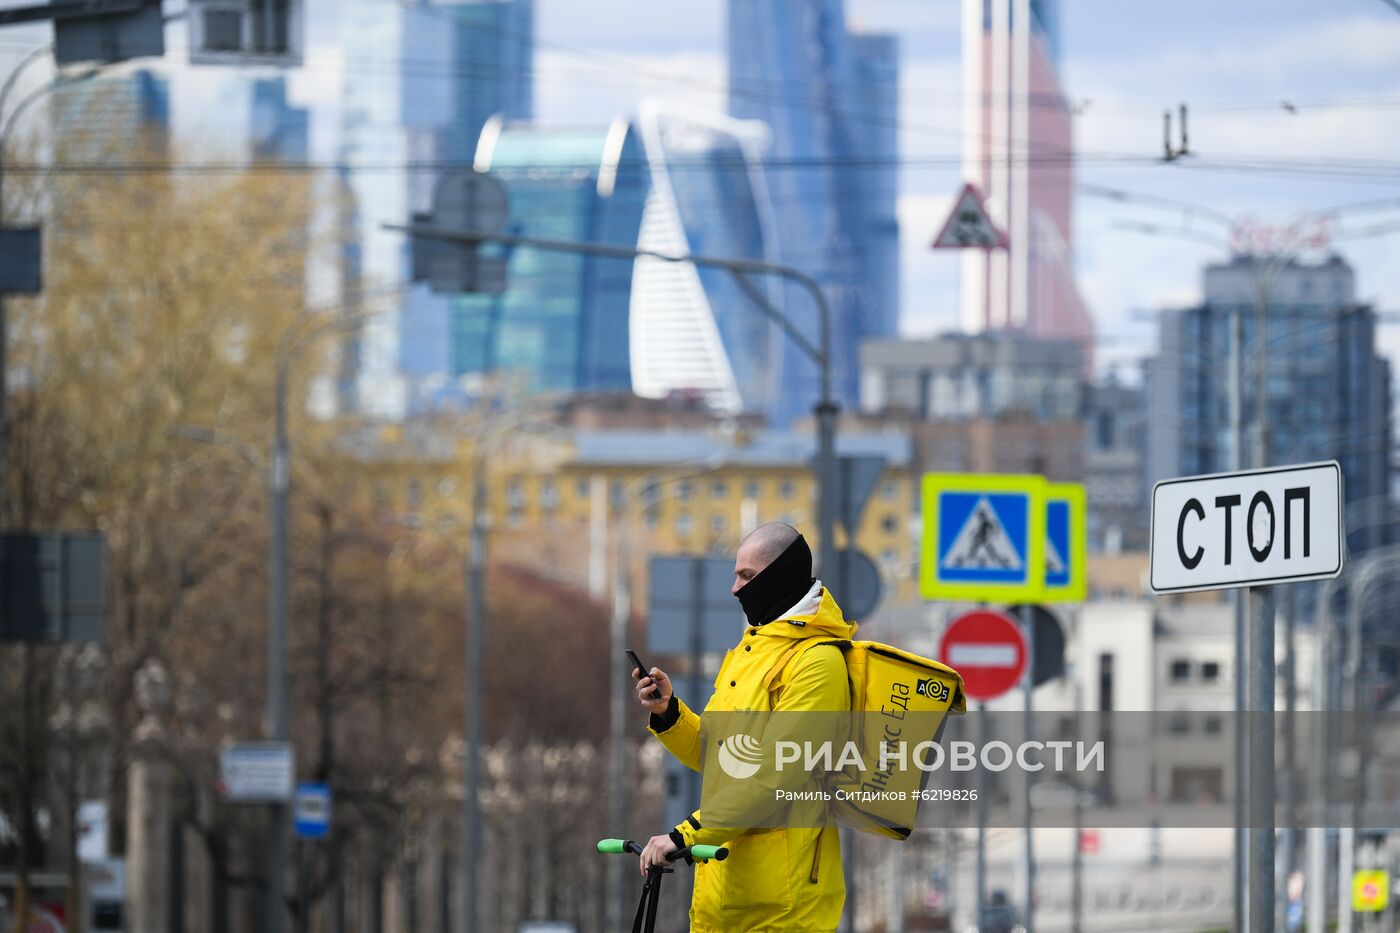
<point x="740" y="756"/>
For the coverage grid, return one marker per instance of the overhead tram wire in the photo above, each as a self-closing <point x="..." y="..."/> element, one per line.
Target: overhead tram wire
<point x="785" y="101"/>
<point x="626" y="77"/>
<point x="1374" y="173"/>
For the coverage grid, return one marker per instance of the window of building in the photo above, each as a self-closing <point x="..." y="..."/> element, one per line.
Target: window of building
<point x="719" y="489"/>
<point x="581" y="489"/>
<point x="719" y="523"/>
<point x="616" y="492"/>
<point x="889" y="489"/>
<point x="515" y="494"/>
<point x="889" y="524"/>
<point x="1180" y="671"/>
<point x="413" y="495"/>
<point x="683" y="490"/>
<point x="751" y="489"/>
<point x="1211" y="725"/>
<point x="549" y="495"/>
<point x="1210" y="671"/>
<point x="446" y="487"/>
<point x="684" y="524"/>
<point x="1179" y="724"/>
<point x="787" y="489"/>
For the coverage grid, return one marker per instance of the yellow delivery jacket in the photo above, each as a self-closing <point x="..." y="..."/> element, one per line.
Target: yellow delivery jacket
<point x="774" y="879"/>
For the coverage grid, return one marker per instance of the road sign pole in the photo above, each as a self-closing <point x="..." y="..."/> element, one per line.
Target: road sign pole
<point x="1236" y="408"/>
<point x="1027" y="615"/>
<point x="1261" y="753"/>
<point x="982" y="791"/>
<point x="1076" y="893"/>
<point x="1346" y="866"/>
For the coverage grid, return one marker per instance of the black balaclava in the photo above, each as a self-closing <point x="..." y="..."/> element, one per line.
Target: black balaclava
<point x="778" y="587"/>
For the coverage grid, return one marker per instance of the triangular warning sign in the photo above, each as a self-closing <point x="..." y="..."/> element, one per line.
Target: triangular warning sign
<point x="1054" y="563"/>
<point x="968" y="226"/>
<point x="982" y="544"/>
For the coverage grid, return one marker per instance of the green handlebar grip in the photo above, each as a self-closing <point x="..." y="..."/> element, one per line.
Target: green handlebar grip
<point x="612" y="846"/>
<point x="706" y="853"/>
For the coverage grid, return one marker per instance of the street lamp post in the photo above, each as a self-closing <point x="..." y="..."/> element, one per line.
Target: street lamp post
<point x="298" y="335"/>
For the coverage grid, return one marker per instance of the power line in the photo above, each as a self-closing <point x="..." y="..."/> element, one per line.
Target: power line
<point x="1374" y="171"/>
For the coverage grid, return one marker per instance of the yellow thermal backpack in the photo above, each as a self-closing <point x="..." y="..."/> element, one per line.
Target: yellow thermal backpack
<point x="888" y="684"/>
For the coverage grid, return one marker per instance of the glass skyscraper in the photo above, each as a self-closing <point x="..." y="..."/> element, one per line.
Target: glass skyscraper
<point x="829" y="99"/>
<point x="1328" y="387"/>
<point x="420" y="82"/>
<point x="694" y="328"/>
<point x="1018" y="147"/>
<point x="562" y="324"/>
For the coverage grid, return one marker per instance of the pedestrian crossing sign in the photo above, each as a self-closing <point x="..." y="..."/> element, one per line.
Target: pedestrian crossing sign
<point x="1065" y="578"/>
<point x="984" y="537"/>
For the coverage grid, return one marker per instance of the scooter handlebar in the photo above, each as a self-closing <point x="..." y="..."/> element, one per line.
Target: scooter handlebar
<point x="698" y="853"/>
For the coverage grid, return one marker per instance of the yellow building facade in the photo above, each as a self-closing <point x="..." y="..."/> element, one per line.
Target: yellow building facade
<point x="559" y="501"/>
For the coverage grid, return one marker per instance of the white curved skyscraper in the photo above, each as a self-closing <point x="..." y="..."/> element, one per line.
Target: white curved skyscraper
<point x="694" y="329"/>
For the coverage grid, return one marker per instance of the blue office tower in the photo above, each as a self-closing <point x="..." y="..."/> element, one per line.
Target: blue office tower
<point x="448" y="68"/>
<point x="874" y="178"/>
<point x="562" y="324"/>
<point x="829" y="99"/>
<point x="116" y="118"/>
<point x="1328" y="389"/>
<point x="493" y="42"/>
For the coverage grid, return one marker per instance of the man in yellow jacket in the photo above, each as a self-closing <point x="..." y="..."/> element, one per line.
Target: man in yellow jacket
<point x="780" y="879"/>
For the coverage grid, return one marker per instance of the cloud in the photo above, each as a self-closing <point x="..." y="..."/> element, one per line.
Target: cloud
<point x="930" y="301"/>
<point x="637" y="27"/>
<point x="1248" y="55"/>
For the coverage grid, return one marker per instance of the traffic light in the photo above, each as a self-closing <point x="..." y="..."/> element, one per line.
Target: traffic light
<point x="464" y="202"/>
<point x="112" y="31"/>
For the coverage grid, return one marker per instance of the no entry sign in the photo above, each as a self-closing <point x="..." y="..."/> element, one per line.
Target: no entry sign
<point x="988" y="650"/>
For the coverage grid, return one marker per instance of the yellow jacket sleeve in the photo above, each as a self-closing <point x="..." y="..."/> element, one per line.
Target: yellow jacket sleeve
<point x="817" y="681"/>
<point x="678" y="728"/>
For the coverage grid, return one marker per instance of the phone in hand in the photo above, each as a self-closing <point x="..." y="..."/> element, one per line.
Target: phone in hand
<point x="642" y="669"/>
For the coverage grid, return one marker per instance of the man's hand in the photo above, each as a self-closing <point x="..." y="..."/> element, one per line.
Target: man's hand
<point x="653" y="691"/>
<point x="657" y="851"/>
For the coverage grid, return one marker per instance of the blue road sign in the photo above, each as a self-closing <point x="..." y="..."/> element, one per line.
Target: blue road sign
<point x="984" y="537"/>
<point x="1066" y="579"/>
<point x="311" y="810"/>
<point x="1057" y="543"/>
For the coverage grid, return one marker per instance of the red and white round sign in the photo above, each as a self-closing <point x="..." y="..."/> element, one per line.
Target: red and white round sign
<point x="988" y="650"/>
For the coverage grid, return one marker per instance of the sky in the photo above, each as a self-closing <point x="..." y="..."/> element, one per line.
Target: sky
<point x="1295" y="108"/>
